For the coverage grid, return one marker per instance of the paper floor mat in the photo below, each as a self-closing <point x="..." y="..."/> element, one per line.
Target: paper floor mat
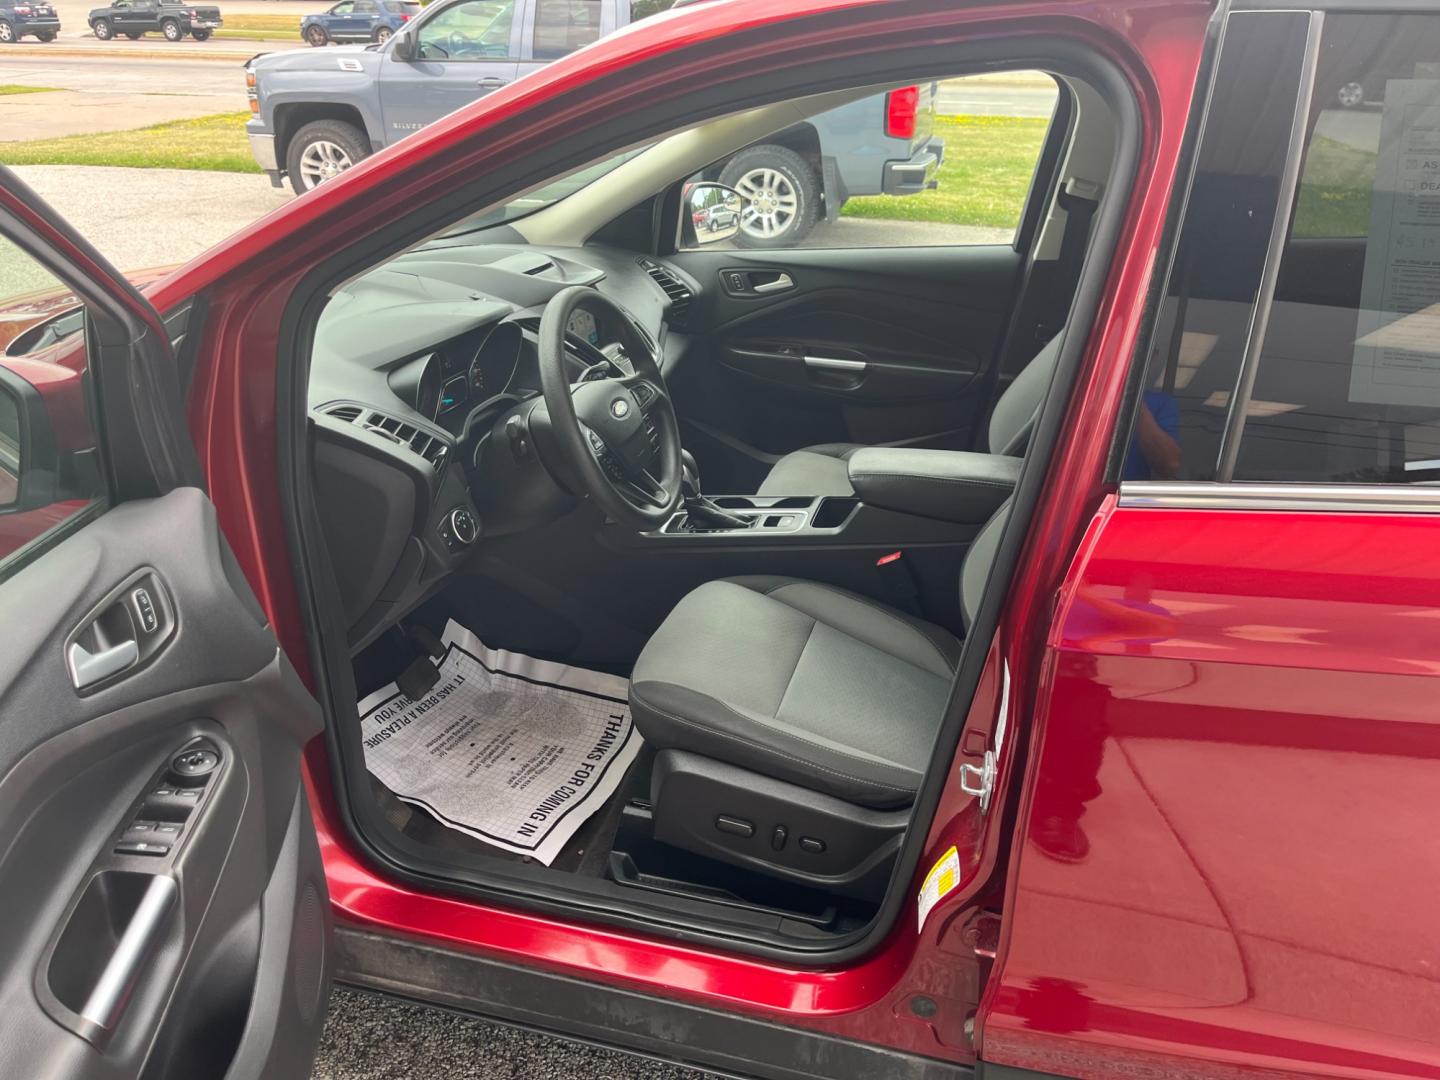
<point x="514" y="751"/>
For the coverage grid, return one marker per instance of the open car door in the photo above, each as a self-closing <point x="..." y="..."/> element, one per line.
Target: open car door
<point x="165" y="905"/>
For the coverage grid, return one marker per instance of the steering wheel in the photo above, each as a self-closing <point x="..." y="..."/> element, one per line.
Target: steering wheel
<point x="458" y="43"/>
<point x="617" y="434"/>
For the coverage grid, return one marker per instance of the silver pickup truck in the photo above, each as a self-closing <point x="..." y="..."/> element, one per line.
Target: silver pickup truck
<point x="317" y="112"/>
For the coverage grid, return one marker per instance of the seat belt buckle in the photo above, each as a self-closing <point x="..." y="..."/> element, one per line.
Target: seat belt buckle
<point x="899" y="581"/>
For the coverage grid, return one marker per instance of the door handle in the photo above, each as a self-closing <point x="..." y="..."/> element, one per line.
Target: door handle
<point x="87" y="668"/>
<point x="780" y="284"/>
<point x="834" y="363"/>
<point x="491" y="82"/>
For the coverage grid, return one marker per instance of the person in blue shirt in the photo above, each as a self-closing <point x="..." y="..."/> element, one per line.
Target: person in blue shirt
<point x="1155" y="444"/>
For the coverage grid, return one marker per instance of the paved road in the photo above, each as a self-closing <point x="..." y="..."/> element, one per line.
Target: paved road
<point x="995" y="96"/>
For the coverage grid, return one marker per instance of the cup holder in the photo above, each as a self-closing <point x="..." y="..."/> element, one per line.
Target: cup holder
<point x="833" y="512"/>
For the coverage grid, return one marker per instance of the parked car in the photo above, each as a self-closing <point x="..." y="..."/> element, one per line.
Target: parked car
<point x="19" y="18"/>
<point x="358" y="20"/>
<point x="135" y="18"/>
<point x="316" y="116"/>
<point x="1004" y="660"/>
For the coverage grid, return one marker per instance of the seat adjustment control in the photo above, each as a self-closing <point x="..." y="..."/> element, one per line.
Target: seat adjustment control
<point x="734" y="826"/>
<point x="778" y="836"/>
<point x="812" y="846"/>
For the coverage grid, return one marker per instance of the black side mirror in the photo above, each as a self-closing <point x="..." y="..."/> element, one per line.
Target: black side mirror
<point x="29" y="460"/>
<point x="402" y="46"/>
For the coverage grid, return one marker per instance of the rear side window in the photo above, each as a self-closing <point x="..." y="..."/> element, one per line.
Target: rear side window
<point x="1347" y="384"/>
<point x="562" y="26"/>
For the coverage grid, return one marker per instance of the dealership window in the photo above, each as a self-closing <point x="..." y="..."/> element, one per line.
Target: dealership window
<point x="1347" y="384"/>
<point x="562" y="26"/>
<point x="930" y="164"/>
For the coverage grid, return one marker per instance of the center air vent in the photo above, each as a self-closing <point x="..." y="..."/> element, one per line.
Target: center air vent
<point x="430" y="447"/>
<point x="678" y="292"/>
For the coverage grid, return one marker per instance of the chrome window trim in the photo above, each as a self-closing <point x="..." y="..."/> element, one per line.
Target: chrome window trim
<point x="1312" y="498"/>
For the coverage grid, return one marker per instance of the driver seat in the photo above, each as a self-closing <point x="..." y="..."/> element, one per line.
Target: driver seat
<point x="795" y="721"/>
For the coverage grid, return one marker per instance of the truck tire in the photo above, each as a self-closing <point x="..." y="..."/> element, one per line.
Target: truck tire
<point x="322" y="150"/>
<point x="201" y="35"/>
<point x="102" y="29"/>
<point x="316" y="36"/>
<point x="780" y="193"/>
<point x="134" y="35"/>
<point x="7" y="33"/>
<point x="382" y="34"/>
<point x="172" y="30"/>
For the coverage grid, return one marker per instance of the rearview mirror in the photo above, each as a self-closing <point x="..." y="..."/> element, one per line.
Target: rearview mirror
<point x="711" y="214"/>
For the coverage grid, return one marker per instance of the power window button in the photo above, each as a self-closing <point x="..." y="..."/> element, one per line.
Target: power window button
<point x="142" y="847"/>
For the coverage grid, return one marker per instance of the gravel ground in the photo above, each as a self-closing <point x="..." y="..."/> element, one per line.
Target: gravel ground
<point x="376" y="1038"/>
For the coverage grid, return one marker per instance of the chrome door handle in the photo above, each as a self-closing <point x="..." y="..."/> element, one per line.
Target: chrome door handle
<point x="87" y="668"/>
<point x="834" y="363"/>
<point x="782" y="282"/>
<point x="491" y="82"/>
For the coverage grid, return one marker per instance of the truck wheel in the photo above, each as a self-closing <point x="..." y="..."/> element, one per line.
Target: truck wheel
<point x="781" y="197"/>
<point x="46" y="35"/>
<point x="134" y="35"/>
<point x="322" y="150"/>
<point x="382" y="34"/>
<point x="102" y="29"/>
<point x="201" y="35"/>
<point x="172" y="30"/>
<point x="316" y="36"/>
<point x="1351" y="95"/>
<point x="7" y="34"/>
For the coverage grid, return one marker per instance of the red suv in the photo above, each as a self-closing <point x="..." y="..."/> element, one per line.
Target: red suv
<point x="1041" y="680"/>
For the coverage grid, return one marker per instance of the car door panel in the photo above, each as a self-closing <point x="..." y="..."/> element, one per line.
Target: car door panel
<point x="120" y="963"/>
<point x="813" y="346"/>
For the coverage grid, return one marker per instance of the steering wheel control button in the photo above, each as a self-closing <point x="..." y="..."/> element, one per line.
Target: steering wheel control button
<point x="145" y="610"/>
<point x="191" y="768"/>
<point x="734" y="826"/>
<point x="142" y="847"/>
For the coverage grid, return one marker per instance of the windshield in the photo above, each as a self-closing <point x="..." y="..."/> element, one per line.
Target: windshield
<point x="541" y="197"/>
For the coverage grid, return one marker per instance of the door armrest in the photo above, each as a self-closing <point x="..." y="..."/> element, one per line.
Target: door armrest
<point x="948" y="485"/>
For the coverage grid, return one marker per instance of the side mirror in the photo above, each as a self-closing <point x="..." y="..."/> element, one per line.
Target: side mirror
<point x="29" y="460"/>
<point x="710" y="213"/>
<point x="402" y="46"/>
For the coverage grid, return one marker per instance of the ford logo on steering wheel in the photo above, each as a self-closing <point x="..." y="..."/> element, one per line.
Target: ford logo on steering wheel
<point x="619" y="408"/>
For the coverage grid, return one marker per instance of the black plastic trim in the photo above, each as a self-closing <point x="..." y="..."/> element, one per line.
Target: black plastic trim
<point x="663" y="1028"/>
<point x="533" y="888"/>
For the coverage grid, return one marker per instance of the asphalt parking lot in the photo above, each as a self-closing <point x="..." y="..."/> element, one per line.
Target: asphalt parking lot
<point x="375" y="1038"/>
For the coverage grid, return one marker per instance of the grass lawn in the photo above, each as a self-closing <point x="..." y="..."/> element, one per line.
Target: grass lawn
<point x="12" y="88"/>
<point x="216" y="143"/>
<point x="261" y="27"/>
<point x="1334" y="190"/>
<point x="984" y="178"/>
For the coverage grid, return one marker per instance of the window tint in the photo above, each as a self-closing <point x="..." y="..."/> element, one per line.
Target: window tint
<point x="365" y="7"/>
<point x="1347" y="384"/>
<point x="930" y="164"/>
<point x="49" y="460"/>
<point x="478" y="30"/>
<point x="643" y="9"/>
<point x="1204" y="320"/>
<point x="562" y="26"/>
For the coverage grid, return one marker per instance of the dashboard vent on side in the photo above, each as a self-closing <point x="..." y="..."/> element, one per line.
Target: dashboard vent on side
<point x="430" y="447"/>
<point x="678" y="292"/>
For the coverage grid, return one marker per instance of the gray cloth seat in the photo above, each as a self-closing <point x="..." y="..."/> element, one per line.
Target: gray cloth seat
<point x="823" y="470"/>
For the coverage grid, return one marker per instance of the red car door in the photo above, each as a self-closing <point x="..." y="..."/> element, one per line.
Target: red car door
<point x="1224" y="864"/>
<point x="167" y="911"/>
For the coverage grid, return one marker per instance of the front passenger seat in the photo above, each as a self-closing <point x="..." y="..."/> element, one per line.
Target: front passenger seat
<point x="794" y="722"/>
<point x="823" y="470"/>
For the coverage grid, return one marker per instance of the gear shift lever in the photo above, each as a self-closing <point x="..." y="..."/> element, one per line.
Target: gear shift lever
<point x="702" y="511"/>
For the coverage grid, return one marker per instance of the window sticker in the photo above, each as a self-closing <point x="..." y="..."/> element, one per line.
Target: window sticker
<point x="939" y="883"/>
<point x="1396" y="359"/>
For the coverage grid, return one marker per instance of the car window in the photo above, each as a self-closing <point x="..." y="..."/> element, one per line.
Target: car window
<point x="562" y="26"/>
<point x="342" y="9"/>
<point x="477" y="30"/>
<point x="49" y="456"/>
<point x="643" y="9"/>
<point x="939" y="163"/>
<point x="366" y="7"/>
<point x="1346" y="388"/>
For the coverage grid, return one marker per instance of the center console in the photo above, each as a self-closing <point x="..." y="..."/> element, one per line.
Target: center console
<point x="767" y="515"/>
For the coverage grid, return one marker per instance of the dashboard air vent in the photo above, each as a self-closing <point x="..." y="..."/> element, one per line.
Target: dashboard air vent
<point x="678" y="292"/>
<point x="430" y="447"/>
<point x="346" y="414"/>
